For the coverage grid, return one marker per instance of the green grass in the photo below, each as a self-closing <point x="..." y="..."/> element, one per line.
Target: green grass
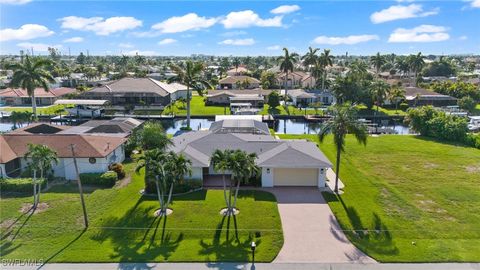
<point x="122" y="227"/>
<point x="197" y="107"/>
<point x="477" y="110"/>
<point x="47" y="110"/>
<point x="363" y="111"/>
<point x="292" y="110"/>
<point x="413" y="190"/>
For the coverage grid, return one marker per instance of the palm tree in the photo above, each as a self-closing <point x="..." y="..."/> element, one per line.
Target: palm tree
<point x="396" y="95"/>
<point x="41" y="158"/>
<point x="177" y="166"/>
<point x="150" y="160"/>
<point x="220" y="162"/>
<point x="402" y="65"/>
<point x="31" y="74"/>
<point x="344" y="121"/>
<point x="358" y="69"/>
<point x="379" y="91"/>
<point x="191" y="76"/>
<point x="236" y="64"/>
<point x="416" y="63"/>
<point x="310" y="58"/>
<point x="377" y="61"/>
<point x="287" y="64"/>
<point x="325" y="60"/>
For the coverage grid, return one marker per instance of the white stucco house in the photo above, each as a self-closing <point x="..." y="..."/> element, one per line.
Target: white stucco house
<point x="283" y="162"/>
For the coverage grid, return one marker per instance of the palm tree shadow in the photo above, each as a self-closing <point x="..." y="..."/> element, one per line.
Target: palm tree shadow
<point x="31" y="211"/>
<point x="64" y="248"/>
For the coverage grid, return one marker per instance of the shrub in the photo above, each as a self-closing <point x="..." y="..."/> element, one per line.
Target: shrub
<point x="473" y="140"/>
<point x="118" y="168"/>
<point x="106" y="179"/>
<point x="403" y="106"/>
<point x="19" y="184"/>
<point x="467" y="103"/>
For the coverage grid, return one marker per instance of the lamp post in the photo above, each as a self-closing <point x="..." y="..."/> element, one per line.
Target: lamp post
<point x="253" y="246"/>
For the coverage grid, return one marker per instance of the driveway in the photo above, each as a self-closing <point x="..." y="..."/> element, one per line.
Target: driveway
<point x="310" y="230"/>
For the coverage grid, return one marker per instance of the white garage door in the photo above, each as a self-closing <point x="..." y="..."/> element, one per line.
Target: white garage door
<point x="295" y="177"/>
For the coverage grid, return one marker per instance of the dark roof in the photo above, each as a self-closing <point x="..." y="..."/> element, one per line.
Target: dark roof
<point x="239" y="126"/>
<point x="132" y="85"/>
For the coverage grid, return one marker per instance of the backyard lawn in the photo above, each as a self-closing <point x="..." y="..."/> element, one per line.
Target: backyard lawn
<point x="47" y="110"/>
<point x="409" y="198"/>
<point x="123" y="228"/>
<point x="363" y="111"/>
<point x="197" y="107"/>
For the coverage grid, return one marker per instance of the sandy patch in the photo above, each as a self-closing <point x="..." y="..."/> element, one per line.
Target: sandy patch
<point x="27" y="207"/>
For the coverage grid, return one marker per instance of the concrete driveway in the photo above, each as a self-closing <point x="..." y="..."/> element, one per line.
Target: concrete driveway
<point x="310" y="230"/>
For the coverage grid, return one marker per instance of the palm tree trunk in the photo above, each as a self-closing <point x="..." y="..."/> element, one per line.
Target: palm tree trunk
<point x="34" y="189"/>
<point x="230" y="197"/>
<point x="39" y="186"/>
<point x="188" y="107"/>
<point x="169" y="198"/>
<point x="34" y="106"/>
<point x="286" y="92"/>
<point x="323" y="80"/>
<point x="235" y="198"/>
<point x="224" y="188"/>
<point x="159" y="195"/>
<point x="337" y="172"/>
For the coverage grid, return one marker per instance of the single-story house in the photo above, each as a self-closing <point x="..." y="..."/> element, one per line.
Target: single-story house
<point x="241" y="70"/>
<point x="416" y="96"/>
<point x="138" y="91"/>
<point x="282" y="162"/>
<point x="238" y="82"/>
<point x="257" y="97"/>
<point x="18" y="96"/>
<point x="303" y="98"/>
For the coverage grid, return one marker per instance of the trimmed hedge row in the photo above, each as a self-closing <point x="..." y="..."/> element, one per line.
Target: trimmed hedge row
<point x="19" y="184"/>
<point x="106" y="179"/>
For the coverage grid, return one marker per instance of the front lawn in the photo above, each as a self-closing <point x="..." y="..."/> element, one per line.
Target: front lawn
<point x="409" y="199"/>
<point x="292" y="110"/>
<point x="122" y="227"/>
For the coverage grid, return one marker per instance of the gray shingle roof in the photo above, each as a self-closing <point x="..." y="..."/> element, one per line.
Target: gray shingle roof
<point x="239" y="126"/>
<point x="139" y="85"/>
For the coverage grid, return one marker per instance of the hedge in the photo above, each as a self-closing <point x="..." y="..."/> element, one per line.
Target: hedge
<point x="106" y="179"/>
<point x="187" y="185"/>
<point x="19" y="184"/>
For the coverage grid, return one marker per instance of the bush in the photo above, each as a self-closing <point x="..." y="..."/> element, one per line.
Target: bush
<point x="19" y="184"/>
<point x="118" y="168"/>
<point x="403" y="106"/>
<point x="187" y="185"/>
<point x="473" y="140"/>
<point x="106" y="179"/>
<point x="467" y="103"/>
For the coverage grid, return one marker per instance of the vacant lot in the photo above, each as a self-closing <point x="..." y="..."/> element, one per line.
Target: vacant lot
<point x="123" y="228"/>
<point x="409" y="199"/>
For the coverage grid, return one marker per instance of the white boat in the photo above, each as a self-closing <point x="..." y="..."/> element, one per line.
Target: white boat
<point x="85" y="111"/>
<point x="474" y="124"/>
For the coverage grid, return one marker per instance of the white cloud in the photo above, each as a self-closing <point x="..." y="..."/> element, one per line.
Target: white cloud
<point x="100" y="26"/>
<point x="400" y="12"/>
<point x="238" y="42"/>
<point x="285" y="9"/>
<point x="25" y="32"/>
<point x="274" y="48"/>
<point x="348" y="40"/>
<point x="14" y="2"/>
<point x="167" y="41"/>
<point x="233" y="33"/>
<point x="125" y="45"/>
<point x="39" y="47"/>
<point x="73" y="40"/>
<point x="475" y="3"/>
<point x="146" y="53"/>
<point x="422" y="33"/>
<point x="190" y="21"/>
<point x="248" y="18"/>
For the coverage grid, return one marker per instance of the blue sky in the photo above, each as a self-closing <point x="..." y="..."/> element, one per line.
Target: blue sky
<point x="240" y="27"/>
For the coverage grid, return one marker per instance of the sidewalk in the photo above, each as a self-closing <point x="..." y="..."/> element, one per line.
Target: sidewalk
<point x="331" y="181"/>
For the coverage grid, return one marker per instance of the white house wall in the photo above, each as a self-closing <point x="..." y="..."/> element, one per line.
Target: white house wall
<point x="197" y="173"/>
<point x="267" y="177"/>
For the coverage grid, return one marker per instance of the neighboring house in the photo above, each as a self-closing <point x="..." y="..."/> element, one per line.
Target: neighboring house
<point x="282" y="162"/>
<point x="18" y="96"/>
<point x="256" y="97"/>
<point x="303" y="98"/>
<point x="416" y="96"/>
<point x="241" y="70"/>
<point x="138" y="91"/>
<point x="296" y="79"/>
<point x="238" y="82"/>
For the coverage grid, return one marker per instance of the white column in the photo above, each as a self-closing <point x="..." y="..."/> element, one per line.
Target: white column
<point x="321" y="177"/>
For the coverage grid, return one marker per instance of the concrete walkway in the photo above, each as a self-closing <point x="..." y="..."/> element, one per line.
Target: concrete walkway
<point x="331" y="181"/>
<point x="310" y="230"/>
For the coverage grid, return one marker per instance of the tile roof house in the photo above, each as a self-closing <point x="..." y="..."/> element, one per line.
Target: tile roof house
<point x="18" y="96"/>
<point x="138" y="91"/>
<point x="241" y="70"/>
<point x="238" y="82"/>
<point x="296" y="79"/>
<point x="283" y="162"/>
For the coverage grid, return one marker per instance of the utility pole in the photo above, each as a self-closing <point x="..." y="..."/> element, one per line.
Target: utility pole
<point x="80" y="189"/>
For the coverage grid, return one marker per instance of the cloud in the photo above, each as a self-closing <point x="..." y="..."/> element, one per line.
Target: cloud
<point x="14" y="2"/>
<point x="422" y="33"/>
<point x="475" y="3"/>
<point x="399" y="12"/>
<point x="248" y="18"/>
<point x="233" y="33"/>
<point x="274" y="48"/>
<point x="39" y="47"/>
<point x="167" y="41"/>
<point x="238" y="42"/>
<point x="135" y="52"/>
<point x="99" y="25"/>
<point x="285" y="9"/>
<point x="463" y="38"/>
<point x="190" y="21"/>
<point x="25" y="32"/>
<point x="73" y="40"/>
<point x="348" y="40"/>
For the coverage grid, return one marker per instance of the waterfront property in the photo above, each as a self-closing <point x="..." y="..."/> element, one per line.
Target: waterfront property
<point x="256" y="97"/>
<point x="304" y="98"/>
<point x="416" y="96"/>
<point x="138" y="92"/>
<point x="238" y="82"/>
<point x="283" y="162"/>
<point x="20" y="97"/>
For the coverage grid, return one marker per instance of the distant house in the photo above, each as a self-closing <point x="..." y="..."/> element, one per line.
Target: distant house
<point x="138" y="91"/>
<point x="301" y="97"/>
<point x="238" y="82"/>
<point x="18" y="96"/>
<point x="296" y="79"/>
<point x="282" y="162"/>
<point x="416" y="96"/>
<point x="241" y="70"/>
<point x="256" y="97"/>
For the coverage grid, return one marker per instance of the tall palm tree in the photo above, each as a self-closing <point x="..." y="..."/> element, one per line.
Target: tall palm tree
<point x="41" y="158"/>
<point x="377" y="61"/>
<point x="379" y="90"/>
<point x="176" y="168"/>
<point x="325" y="60"/>
<point x="220" y="161"/>
<point x="396" y="95"/>
<point x="358" y="69"/>
<point x="344" y="121"/>
<point x="287" y="64"/>
<point x="416" y="63"/>
<point x="150" y="161"/>
<point x="310" y="58"/>
<point x="30" y="74"/>
<point x="401" y="64"/>
<point x="192" y="77"/>
<point x="236" y="63"/>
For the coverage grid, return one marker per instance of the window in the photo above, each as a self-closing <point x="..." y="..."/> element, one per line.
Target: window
<point x="92" y="160"/>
